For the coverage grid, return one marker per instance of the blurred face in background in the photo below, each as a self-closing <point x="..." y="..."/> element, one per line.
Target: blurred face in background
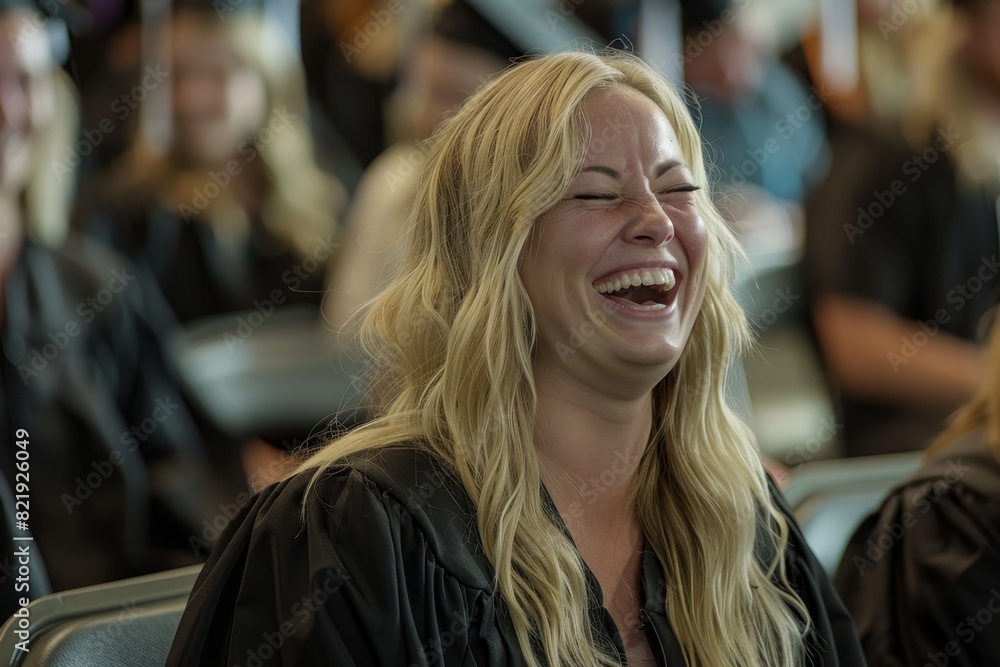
<point x="727" y="65"/>
<point x="979" y="50"/>
<point x="438" y="77"/>
<point x="218" y="99"/>
<point x="26" y="95"/>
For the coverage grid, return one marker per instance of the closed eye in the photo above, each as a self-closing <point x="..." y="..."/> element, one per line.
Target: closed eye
<point x="688" y="187"/>
<point x="594" y="196"/>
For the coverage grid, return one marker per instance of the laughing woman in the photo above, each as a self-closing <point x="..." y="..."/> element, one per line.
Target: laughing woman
<point x="554" y="476"/>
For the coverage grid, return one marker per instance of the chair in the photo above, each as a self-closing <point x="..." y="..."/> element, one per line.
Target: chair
<point x="831" y="498"/>
<point x="269" y="376"/>
<point x="127" y="623"/>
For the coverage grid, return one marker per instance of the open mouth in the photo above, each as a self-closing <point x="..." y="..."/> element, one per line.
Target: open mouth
<point x="643" y="289"/>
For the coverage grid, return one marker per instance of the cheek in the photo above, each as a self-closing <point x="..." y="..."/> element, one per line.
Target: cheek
<point x="693" y="235"/>
<point x="695" y="241"/>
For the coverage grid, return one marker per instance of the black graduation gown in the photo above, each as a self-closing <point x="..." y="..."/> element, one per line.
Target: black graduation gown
<point x="922" y="574"/>
<point x="201" y="276"/>
<point x="930" y="255"/>
<point x="118" y="474"/>
<point x="388" y="570"/>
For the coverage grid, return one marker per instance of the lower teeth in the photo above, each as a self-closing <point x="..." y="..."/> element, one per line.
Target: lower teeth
<point x="650" y="305"/>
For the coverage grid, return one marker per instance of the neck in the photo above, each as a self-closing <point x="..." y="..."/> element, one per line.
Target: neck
<point x="589" y="448"/>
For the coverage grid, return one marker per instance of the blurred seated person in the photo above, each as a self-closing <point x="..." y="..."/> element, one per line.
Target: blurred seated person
<point x="447" y="64"/>
<point x="899" y="324"/>
<point x="869" y="111"/>
<point x="233" y="214"/>
<point x="118" y="478"/>
<point x="762" y="128"/>
<point x="921" y="575"/>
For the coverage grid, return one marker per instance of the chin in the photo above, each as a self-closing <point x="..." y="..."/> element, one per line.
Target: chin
<point x="663" y="357"/>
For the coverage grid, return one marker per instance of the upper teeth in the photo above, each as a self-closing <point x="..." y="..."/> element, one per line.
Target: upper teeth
<point x="663" y="277"/>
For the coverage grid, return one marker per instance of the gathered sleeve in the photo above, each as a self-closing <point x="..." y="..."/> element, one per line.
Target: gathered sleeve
<point x="358" y="583"/>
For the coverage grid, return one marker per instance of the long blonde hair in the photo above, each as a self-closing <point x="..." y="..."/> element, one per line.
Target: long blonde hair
<point x="980" y="413"/>
<point x="452" y="338"/>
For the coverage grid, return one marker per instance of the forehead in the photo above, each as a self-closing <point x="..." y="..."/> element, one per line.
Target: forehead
<point x="626" y="125"/>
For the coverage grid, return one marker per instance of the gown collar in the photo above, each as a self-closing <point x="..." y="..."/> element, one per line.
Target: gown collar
<point x="653" y="613"/>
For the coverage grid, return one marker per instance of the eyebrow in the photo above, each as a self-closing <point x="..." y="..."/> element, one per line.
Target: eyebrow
<point x="659" y="171"/>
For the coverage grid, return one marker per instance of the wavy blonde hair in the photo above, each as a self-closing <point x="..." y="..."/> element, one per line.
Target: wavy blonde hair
<point x="453" y="337"/>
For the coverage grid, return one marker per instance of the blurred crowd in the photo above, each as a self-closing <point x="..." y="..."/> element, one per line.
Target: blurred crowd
<point x="178" y="171"/>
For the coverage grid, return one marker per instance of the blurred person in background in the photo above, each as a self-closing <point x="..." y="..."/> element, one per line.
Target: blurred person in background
<point x="921" y="576"/>
<point x="233" y="214"/>
<point x="761" y="126"/>
<point x="350" y="51"/>
<point x="881" y="107"/>
<point x="460" y="51"/>
<point x="118" y="477"/>
<point x="898" y="323"/>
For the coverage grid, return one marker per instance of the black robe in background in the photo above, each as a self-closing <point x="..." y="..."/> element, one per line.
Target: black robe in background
<point x="922" y="574"/>
<point x="119" y="474"/>
<point x="199" y="274"/>
<point x="388" y="571"/>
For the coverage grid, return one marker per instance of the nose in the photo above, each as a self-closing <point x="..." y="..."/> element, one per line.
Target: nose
<point x="650" y="224"/>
